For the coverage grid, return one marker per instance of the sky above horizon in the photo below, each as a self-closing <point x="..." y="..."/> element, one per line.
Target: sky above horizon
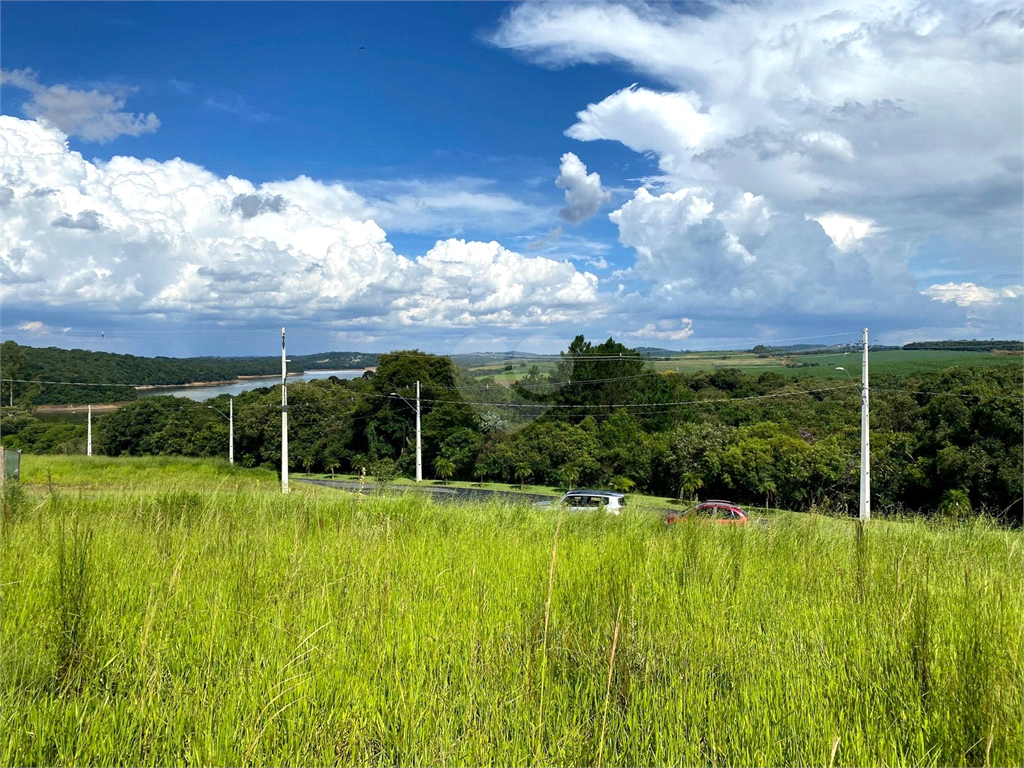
<point x="185" y="179"/>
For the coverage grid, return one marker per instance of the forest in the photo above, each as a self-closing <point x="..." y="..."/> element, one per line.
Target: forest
<point x="25" y="365"/>
<point x="948" y="441"/>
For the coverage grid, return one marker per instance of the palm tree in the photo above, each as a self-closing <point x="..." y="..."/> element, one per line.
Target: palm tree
<point x="570" y="475"/>
<point x="444" y="467"/>
<point x="689" y="484"/>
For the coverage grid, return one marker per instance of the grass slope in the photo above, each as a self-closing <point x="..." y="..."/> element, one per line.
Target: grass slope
<point x="196" y="616"/>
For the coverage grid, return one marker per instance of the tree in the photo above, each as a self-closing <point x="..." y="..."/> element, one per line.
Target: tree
<point x="622" y="484"/>
<point x="12" y="359"/>
<point x="384" y="471"/>
<point x="689" y="484"/>
<point x="569" y="475"/>
<point x="955" y="505"/>
<point x="522" y="473"/>
<point x="444" y="467"/>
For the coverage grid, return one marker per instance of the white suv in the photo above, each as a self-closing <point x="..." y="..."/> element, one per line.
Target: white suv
<point x="585" y="500"/>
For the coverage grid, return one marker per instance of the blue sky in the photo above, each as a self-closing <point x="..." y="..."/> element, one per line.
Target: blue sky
<point x="377" y="176"/>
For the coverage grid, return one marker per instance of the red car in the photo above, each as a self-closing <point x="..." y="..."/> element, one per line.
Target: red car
<point x="711" y="511"/>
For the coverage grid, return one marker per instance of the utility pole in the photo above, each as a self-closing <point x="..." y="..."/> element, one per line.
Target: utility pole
<point x="284" y="418"/>
<point x="231" y="431"/>
<point x="419" y="443"/>
<point x="88" y="444"/>
<point x="865" y="443"/>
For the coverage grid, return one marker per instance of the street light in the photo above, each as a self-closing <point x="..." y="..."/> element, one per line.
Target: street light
<point x="419" y="451"/>
<point x="230" y="416"/>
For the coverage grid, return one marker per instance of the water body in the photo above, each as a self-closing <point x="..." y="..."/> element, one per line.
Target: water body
<point x="237" y="387"/>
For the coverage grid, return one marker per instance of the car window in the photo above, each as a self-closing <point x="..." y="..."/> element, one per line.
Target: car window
<point x="712" y="513"/>
<point x="596" y="501"/>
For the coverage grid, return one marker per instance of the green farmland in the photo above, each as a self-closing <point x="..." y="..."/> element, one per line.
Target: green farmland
<point x="900" y="362"/>
<point x="184" y="612"/>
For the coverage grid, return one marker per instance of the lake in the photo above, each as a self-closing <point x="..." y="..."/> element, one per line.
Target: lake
<point x="237" y="387"/>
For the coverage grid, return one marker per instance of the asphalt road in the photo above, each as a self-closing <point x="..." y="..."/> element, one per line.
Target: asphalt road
<point x="440" y="493"/>
<point x="452" y="494"/>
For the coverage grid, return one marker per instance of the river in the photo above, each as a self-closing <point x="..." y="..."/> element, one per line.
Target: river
<point x="237" y="387"/>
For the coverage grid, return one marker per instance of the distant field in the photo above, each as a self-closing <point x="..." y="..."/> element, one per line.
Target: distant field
<point x="169" y="612"/>
<point x="898" y="361"/>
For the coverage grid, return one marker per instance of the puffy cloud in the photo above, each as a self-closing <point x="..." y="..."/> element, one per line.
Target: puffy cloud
<point x="651" y="331"/>
<point x="846" y="231"/>
<point x="725" y="256"/>
<point x="825" y="101"/>
<point x="583" y="192"/>
<point x="85" y="220"/>
<point x="170" y="239"/>
<point x="807" y="152"/>
<point x="39" y="328"/>
<point x="969" y="294"/>
<point x="91" y="115"/>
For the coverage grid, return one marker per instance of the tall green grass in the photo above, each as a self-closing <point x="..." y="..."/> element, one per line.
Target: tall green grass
<point x="180" y="624"/>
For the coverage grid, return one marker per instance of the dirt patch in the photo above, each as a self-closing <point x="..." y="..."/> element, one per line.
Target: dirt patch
<point x="100" y="408"/>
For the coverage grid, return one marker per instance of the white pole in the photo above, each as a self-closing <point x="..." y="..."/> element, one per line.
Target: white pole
<point x="419" y="444"/>
<point x="865" y="443"/>
<point x="284" y="418"/>
<point x="88" y="445"/>
<point x="231" y="431"/>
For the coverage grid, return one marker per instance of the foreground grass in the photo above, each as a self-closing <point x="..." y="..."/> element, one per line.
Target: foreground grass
<point x="182" y="622"/>
<point x="142" y="472"/>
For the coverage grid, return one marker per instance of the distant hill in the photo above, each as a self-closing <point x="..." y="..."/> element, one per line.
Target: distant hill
<point x="79" y="365"/>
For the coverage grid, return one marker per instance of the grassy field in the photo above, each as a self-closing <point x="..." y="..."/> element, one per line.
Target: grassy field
<point x="896" y="361"/>
<point x="187" y="613"/>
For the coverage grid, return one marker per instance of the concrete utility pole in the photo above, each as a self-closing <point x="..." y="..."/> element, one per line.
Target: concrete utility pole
<point x="419" y="442"/>
<point x="284" y="418"/>
<point x="231" y="431"/>
<point x="88" y="443"/>
<point x="865" y="441"/>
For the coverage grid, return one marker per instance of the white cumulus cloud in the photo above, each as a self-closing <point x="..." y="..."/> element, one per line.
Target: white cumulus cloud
<point x="91" y="115"/>
<point x="809" y="153"/>
<point x="969" y="294"/>
<point x="845" y="231"/>
<point x="171" y="239"/>
<point x="651" y="331"/>
<point x="583" y="192"/>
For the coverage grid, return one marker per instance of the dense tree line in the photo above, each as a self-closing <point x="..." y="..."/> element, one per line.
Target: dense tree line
<point x="967" y="346"/>
<point x="604" y="418"/>
<point x="123" y="371"/>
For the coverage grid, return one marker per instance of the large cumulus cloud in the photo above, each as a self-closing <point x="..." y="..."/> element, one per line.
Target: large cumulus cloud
<point x="864" y="130"/>
<point x="132" y="236"/>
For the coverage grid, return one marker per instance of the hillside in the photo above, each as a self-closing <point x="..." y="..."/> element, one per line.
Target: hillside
<point x="121" y="372"/>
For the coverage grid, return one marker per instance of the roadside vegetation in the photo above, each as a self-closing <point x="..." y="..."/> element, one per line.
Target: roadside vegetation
<point x="200" y="617"/>
<point x="946" y="441"/>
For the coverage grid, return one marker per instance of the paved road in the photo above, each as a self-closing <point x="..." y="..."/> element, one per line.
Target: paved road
<point x="440" y="493"/>
<point x="446" y="493"/>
